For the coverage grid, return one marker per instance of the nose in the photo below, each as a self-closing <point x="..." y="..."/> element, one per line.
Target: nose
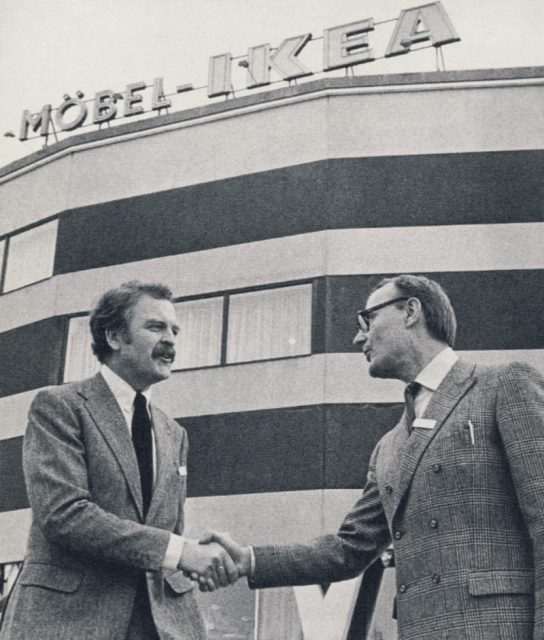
<point x="360" y="337"/>
<point x="169" y="336"/>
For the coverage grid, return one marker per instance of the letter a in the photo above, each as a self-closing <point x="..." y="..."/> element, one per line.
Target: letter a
<point x="427" y="22"/>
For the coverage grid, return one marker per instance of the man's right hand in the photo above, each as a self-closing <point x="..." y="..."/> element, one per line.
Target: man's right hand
<point x="209" y="563"/>
<point x="240" y="554"/>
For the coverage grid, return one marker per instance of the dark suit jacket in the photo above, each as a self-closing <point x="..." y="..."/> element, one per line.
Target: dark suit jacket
<point x="88" y="541"/>
<point x="464" y="507"/>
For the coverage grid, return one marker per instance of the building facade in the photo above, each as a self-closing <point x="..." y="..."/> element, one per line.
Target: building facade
<point x="271" y="217"/>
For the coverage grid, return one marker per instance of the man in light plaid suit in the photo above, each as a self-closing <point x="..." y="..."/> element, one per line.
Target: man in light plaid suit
<point x="457" y="484"/>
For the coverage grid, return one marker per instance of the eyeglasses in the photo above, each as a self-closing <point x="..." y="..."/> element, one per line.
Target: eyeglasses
<point x="364" y="316"/>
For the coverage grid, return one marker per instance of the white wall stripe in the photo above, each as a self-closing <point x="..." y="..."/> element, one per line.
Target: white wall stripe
<point x="14" y="527"/>
<point x="451" y="117"/>
<point x="311" y="380"/>
<point x="15" y="409"/>
<point x="492" y="247"/>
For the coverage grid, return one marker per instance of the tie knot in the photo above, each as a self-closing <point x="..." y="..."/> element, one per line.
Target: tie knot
<point x="412" y="389"/>
<point x="140" y="401"/>
<point x="410" y="393"/>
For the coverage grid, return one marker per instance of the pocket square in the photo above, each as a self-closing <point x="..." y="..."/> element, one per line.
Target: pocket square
<point x="424" y="423"/>
<point x="182" y="471"/>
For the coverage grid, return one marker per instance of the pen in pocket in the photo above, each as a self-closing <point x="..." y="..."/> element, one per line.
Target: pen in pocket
<point x="471" y="432"/>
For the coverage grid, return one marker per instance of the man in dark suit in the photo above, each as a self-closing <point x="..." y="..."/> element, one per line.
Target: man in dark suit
<point x="105" y="471"/>
<point x="457" y="484"/>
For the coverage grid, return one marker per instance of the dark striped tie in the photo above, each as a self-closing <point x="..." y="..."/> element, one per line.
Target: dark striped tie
<point x="410" y="394"/>
<point x="141" y="438"/>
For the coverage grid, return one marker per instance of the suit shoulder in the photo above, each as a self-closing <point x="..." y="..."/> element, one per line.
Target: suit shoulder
<point x="68" y="396"/>
<point x="509" y="373"/>
<point x="66" y="392"/>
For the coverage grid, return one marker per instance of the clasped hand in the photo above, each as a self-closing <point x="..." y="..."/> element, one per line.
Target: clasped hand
<point x="214" y="561"/>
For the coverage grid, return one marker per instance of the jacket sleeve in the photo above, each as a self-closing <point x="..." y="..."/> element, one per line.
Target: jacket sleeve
<point x="361" y="538"/>
<point x="54" y="461"/>
<point x="520" y="419"/>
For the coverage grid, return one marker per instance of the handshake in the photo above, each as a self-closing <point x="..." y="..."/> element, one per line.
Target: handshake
<point x="215" y="561"/>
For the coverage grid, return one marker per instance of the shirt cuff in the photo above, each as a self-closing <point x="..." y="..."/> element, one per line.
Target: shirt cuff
<point x="173" y="552"/>
<point x="251" y="563"/>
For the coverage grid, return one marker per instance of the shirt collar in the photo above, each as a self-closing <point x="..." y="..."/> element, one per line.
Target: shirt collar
<point x="437" y="369"/>
<point x="122" y="391"/>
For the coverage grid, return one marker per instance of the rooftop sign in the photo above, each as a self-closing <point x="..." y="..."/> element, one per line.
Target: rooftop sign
<point x="344" y="46"/>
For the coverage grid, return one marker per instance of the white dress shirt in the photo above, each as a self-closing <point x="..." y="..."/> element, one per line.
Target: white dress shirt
<point x="431" y="377"/>
<point x="124" y="395"/>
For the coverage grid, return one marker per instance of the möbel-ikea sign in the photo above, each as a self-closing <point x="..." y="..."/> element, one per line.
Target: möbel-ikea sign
<point x="344" y="46"/>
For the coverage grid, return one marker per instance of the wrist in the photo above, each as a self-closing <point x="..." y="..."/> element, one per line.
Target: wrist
<point x="246" y="563"/>
<point x="186" y="554"/>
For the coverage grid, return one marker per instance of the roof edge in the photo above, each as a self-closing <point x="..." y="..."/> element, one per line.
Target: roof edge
<point x="386" y="80"/>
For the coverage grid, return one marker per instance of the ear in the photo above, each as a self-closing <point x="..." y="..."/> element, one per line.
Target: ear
<point x="114" y="339"/>
<point x="413" y="311"/>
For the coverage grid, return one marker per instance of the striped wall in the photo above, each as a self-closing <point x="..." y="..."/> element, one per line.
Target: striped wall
<point x="334" y="183"/>
<point x="464" y="248"/>
<point x="337" y="193"/>
<point x="360" y="117"/>
<point x="497" y="310"/>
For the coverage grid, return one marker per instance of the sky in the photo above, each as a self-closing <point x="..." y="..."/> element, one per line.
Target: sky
<point x="49" y="49"/>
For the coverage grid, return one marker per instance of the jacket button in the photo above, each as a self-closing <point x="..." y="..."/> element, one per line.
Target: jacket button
<point x="398" y="535"/>
<point x="433" y="523"/>
<point x="436" y="467"/>
<point x="402" y="588"/>
<point x="436" y="578"/>
<point x="388" y="488"/>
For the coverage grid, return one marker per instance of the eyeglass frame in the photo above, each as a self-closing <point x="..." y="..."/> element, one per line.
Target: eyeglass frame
<point x="363" y="315"/>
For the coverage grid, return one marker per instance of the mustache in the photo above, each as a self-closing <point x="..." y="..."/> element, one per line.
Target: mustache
<point x="164" y="351"/>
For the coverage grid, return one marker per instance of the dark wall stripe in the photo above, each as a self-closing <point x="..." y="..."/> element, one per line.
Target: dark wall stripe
<point x="495" y="309"/>
<point x="12" y="483"/>
<point x="464" y="188"/>
<point x="316" y="447"/>
<point x="32" y="355"/>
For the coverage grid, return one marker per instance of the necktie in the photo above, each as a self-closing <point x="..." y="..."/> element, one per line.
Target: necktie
<point x="410" y="394"/>
<point x="141" y="439"/>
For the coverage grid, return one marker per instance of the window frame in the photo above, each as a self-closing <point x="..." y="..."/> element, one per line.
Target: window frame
<point x="8" y="237"/>
<point x="225" y="295"/>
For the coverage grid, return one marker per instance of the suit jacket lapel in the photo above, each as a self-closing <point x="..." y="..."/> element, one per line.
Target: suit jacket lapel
<point x="164" y="458"/>
<point x="454" y="386"/>
<point x="110" y="421"/>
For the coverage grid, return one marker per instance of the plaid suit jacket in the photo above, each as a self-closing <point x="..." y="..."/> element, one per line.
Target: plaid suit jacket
<point x="89" y="542"/>
<point x="464" y="506"/>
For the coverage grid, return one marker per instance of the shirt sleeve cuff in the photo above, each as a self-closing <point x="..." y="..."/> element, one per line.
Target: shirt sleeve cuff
<point x="173" y="552"/>
<point x="251" y="563"/>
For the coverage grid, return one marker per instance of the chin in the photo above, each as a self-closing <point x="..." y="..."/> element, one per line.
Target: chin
<point x="162" y="373"/>
<point x="377" y="371"/>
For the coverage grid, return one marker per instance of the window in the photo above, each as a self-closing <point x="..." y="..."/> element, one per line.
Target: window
<point x="271" y="323"/>
<point x="80" y="361"/>
<point x="31" y="256"/>
<point x="264" y="324"/>
<point x="199" y="338"/>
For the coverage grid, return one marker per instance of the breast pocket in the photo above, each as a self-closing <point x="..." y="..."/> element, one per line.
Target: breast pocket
<point x="453" y="453"/>
<point x="182" y="480"/>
